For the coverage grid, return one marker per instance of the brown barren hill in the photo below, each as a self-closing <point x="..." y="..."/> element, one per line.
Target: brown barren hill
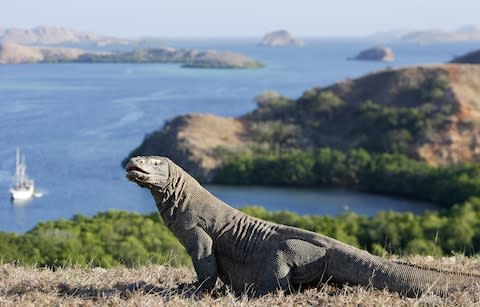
<point x="429" y="113"/>
<point x="191" y="140"/>
<point x="11" y="53"/>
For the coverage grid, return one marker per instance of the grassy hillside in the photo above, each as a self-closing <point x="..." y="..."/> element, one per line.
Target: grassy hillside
<point x="158" y="285"/>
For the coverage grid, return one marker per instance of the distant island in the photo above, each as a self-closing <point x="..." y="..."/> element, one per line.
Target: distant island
<point x="280" y="38"/>
<point x="11" y="53"/>
<point x="382" y="54"/>
<point x="58" y="36"/>
<point x="463" y="34"/>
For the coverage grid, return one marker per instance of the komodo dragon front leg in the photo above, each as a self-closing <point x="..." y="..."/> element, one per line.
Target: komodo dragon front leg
<point x="294" y="262"/>
<point x="199" y="246"/>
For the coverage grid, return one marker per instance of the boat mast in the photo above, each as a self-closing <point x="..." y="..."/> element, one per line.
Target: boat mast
<point x="17" y="170"/>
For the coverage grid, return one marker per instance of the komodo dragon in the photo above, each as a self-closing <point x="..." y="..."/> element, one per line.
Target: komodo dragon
<point x="256" y="257"/>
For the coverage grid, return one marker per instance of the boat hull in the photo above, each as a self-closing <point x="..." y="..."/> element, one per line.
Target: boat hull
<point x="23" y="193"/>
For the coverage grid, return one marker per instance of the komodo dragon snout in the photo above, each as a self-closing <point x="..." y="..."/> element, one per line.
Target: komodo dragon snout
<point x="148" y="173"/>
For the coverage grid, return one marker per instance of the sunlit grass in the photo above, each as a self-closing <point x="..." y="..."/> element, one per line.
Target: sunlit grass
<point x="151" y="284"/>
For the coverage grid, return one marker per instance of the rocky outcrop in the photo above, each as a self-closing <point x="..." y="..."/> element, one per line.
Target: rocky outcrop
<point x="448" y="94"/>
<point x="280" y="38"/>
<point x="382" y="54"/>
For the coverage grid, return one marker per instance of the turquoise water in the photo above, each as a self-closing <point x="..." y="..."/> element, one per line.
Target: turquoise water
<point x="76" y="122"/>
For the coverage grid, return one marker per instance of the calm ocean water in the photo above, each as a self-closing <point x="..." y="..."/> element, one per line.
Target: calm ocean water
<point x="76" y="122"/>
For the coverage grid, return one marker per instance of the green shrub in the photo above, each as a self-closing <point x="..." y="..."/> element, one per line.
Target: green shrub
<point x="120" y="238"/>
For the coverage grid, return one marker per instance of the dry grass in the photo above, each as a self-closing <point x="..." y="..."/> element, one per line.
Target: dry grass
<point x="154" y="285"/>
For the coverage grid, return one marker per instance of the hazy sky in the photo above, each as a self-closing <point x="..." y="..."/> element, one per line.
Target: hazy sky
<point x="239" y="18"/>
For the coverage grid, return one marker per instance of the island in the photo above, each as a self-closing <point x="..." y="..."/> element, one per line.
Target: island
<point x="58" y="36"/>
<point x="426" y="113"/>
<point x="382" y="54"/>
<point x="280" y="38"/>
<point x="463" y="34"/>
<point x="467" y="33"/>
<point x="11" y="53"/>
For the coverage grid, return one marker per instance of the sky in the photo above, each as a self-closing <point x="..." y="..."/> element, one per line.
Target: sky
<point x="243" y="18"/>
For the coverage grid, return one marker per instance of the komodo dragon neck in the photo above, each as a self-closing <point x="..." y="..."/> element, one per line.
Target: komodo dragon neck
<point x="185" y="196"/>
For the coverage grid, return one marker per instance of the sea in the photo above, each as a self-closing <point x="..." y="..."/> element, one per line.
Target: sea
<point x="76" y="122"/>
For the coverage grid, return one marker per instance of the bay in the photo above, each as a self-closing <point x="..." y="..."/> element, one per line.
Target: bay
<point x="76" y="122"/>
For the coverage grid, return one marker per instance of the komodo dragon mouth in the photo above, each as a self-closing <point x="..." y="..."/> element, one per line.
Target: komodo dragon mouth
<point x="133" y="168"/>
<point x="136" y="174"/>
<point x="148" y="172"/>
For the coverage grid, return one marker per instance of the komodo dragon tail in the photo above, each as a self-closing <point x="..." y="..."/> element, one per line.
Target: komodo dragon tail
<point x="355" y="266"/>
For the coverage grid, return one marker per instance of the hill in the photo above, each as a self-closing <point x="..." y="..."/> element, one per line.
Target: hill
<point x="427" y="113"/>
<point x="158" y="285"/>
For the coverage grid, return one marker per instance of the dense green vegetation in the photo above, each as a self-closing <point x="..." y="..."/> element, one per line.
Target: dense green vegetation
<point x="315" y="140"/>
<point x="107" y="239"/>
<point x="321" y="118"/>
<point x="120" y="238"/>
<point x="392" y="174"/>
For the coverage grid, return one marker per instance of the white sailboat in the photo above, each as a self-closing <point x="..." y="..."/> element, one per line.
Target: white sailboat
<point x="23" y="188"/>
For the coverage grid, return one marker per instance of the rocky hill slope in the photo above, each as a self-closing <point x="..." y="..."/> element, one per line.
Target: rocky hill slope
<point x="428" y="113"/>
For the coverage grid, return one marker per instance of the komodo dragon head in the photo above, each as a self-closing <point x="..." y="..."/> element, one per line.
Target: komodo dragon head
<point x="148" y="172"/>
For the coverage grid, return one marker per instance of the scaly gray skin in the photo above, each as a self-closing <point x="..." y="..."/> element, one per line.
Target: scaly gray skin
<point x="257" y="257"/>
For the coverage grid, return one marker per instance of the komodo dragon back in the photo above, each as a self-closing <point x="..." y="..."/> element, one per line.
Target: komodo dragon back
<point x="257" y="257"/>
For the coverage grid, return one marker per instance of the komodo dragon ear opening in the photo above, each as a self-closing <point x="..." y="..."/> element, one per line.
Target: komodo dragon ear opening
<point x="149" y="171"/>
